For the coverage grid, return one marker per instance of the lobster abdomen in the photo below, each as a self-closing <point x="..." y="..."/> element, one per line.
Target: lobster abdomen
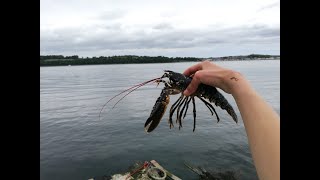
<point x="214" y="96"/>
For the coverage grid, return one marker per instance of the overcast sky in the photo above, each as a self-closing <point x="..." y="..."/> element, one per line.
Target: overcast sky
<point x="198" y="28"/>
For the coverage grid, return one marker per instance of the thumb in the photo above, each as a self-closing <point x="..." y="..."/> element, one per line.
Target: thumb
<point x="194" y="84"/>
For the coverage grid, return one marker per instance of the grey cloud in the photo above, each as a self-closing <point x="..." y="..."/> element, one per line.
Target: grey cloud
<point x="119" y="38"/>
<point x="269" y="6"/>
<point x="163" y="26"/>
<point x="112" y="15"/>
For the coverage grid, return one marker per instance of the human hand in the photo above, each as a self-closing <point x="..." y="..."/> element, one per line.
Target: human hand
<point x="211" y="74"/>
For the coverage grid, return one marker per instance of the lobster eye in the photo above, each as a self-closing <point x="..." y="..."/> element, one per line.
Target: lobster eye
<point x="166" y="74"/>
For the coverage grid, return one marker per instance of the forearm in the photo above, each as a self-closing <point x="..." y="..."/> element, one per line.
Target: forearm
<point x="262" y="125"/>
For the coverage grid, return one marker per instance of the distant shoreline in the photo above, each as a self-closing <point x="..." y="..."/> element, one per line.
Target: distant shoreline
<point x="59" y="60"/>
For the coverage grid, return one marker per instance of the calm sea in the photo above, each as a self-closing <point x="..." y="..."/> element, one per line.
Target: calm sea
<point x="75" y="144"/>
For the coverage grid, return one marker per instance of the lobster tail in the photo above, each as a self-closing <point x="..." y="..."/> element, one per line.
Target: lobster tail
<point x="232" y="113"/>
<point x="218" y="99"/>
<point x="224" y="104"/>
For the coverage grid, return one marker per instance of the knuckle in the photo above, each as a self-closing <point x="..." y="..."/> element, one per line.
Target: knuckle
<point x="197" y="75"/>
<point x="235" y="73"/>
<point x="208" y="64"/>
<point x="206" y="61"/>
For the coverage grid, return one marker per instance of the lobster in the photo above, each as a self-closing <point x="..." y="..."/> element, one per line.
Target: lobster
<point x="175" y="83"/>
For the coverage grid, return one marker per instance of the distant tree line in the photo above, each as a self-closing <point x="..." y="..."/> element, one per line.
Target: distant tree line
<point x="58" y="57"/>
<point x="60" y="60"/>
<point x="259" y="56"/>
<point x="246" y="57"/>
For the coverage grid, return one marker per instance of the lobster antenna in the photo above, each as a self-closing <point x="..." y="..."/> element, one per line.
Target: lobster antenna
<point x="127" y="94"/>
<point x="137" y="86"/>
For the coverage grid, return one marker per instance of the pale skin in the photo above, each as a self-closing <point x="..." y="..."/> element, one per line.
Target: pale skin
<point x="261" y="122"/>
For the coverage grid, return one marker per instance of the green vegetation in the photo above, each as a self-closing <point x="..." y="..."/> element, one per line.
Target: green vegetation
<point x="249" y="57"/>
<point x="60" y="60"/>
<point x="56" y="60"/>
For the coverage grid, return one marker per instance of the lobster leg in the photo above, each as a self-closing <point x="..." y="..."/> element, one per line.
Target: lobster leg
<point x="186" y="108"/>
<point x="219" y="100"/>
<point x="206" y="105"/>
<point x="172" y="109"/>
<point x="210" y="106"/>
<point x="178" y="110"/>
<point x="181" y="112"/>
<point x="175" y="103"/>
<point x="194" y="114"/>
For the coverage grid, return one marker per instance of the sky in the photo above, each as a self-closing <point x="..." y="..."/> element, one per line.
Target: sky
<point x="173" y="28"/>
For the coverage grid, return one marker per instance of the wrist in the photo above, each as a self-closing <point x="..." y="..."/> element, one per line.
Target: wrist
<point x="241" y="88"/>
